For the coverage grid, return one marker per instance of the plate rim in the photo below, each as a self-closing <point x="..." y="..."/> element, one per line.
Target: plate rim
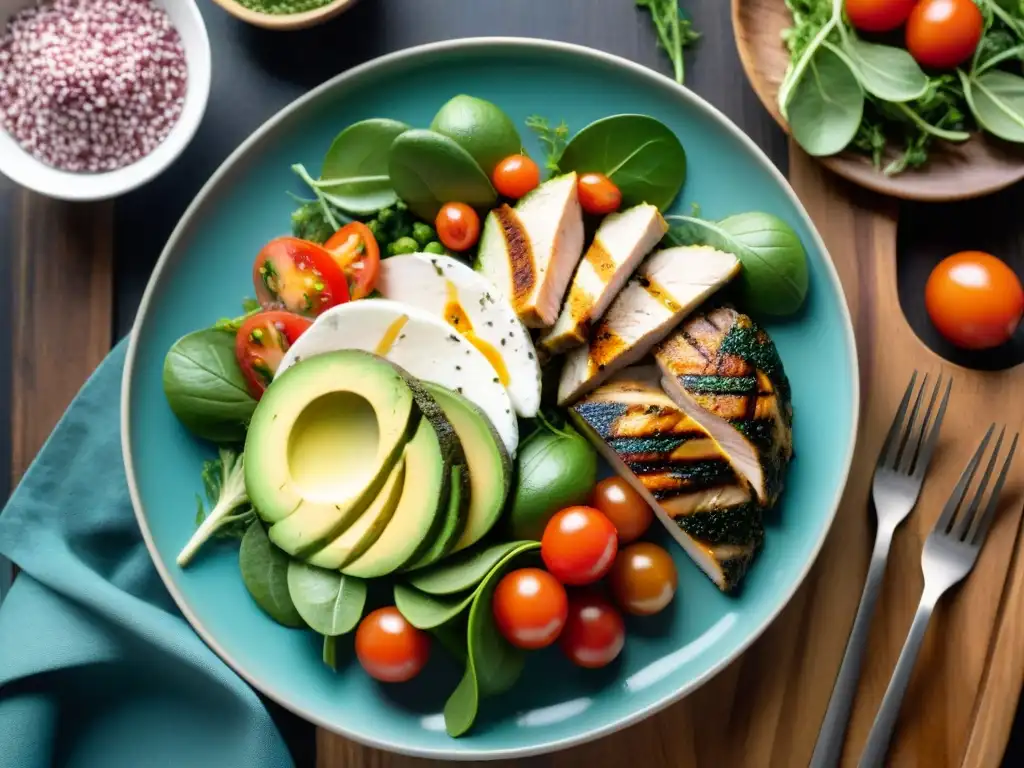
<point x="482" y="43"/>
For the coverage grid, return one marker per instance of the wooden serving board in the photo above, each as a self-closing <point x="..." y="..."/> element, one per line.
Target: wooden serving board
<point x="765" y="709"/>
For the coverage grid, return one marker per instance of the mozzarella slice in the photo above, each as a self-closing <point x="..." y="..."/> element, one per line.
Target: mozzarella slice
<point x="469" y="303"/>
<point x="418" y="342"/>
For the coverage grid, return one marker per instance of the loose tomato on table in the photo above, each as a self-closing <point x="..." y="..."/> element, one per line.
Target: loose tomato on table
<point x="598" y="194"/>
<point x="643" y="579"/>
<point x="619" y="502"/>
<point x="530" y="608"/>
<point x="389" y="648"/>
<point x="299" y="276"/>
<point x="515" y="176"/>
<point x="594" y="633"/>
<point x="458" y="226"/>
<point x="579" y="545"/>
<point x="943" y="34"/>
<point x="975" y="300"/>
<point x="356" y="251"/>
<point x="261" y="343"/>
<point x="878" y="15"/>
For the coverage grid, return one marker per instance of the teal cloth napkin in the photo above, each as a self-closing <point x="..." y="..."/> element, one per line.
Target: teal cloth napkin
<point x="97" y="667"/>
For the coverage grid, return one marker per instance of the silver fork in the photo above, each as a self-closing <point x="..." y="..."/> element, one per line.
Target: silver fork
<point x="899" y="476"/>
<point x="950" y="552"/>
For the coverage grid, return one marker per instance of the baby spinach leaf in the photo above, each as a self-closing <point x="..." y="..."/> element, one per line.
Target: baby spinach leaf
<point x="827" y="104"/>
<point x="354" y="176"/>
<point x="493" y="664"/>
<point x="330" y="652"/>
<point x="328" y="601"/>
<point x="462" y="571"/>
<point x="639" y="153"/>
<point x="428" y="170"/>
<point x="996" y="99"/>
<point x="774" y="279"/>
<point x="265" y="574"/>
<point x="799" y="67"/>
<point x="426" y="611"/>
<point x="205" y="388"/>
<point x="889" y="73"/>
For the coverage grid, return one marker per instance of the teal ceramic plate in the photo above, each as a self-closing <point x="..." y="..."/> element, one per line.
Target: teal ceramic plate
<point x="205" y="270"/>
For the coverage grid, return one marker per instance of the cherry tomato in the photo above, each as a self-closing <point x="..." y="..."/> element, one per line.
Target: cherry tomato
<point x="299" y="276"/>
<point x="389" y="648"/>
<point x="944" y="33"/>
<point x="530" y="607"/>
<point x="458" y="226"/>
<point x="598" y="194"/>
<point x="515" y="176"/>
<point x="643" y="579"/>
<point x="974" y="300"/>
<point x="355" y="250"/>
<point x="594" y="632"/>
<point x="579" y="545"/>
<point x="261" y="342"/>
<point x="878" y="15"/>
<point x="626" y="508"/>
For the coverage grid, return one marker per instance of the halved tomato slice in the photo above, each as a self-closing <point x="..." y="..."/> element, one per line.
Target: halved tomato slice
<point x="355" y="250"/>
<point x="299" y="276"/>
<point x="261" y="343"/>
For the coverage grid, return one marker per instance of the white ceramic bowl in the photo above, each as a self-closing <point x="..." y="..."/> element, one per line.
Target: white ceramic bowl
<point x="24" y="169"/>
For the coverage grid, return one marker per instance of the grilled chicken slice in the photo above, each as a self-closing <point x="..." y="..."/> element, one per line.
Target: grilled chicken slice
<point x="725" y="372"/>
<point x="620" y="243"/>
<point x="666" y="288"/>
<point x="531" y="251"/>
<point x="678" y="468"/>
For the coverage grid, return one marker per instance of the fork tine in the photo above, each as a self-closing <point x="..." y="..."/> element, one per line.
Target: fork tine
<point x="942" y="524"/>
<point x="908" y="429"/>
<point x="925" y="457"/>
<point x="965" y="520"/>
<point x="916" y="435"/>
<point x="891" y="446"/>
<point x="985" y="520"/>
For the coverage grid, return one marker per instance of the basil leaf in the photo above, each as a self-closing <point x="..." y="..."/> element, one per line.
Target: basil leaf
<point x="461" y="571"/>
<point x="639" y="153"/>
<point x="996" y="99"/>
<point x="354" y="176"/>
<point x="328" y="601"/>
<point x="827" y="104"/>
<point x="428" y="170"/>
<point x="205" y="388"/>
<point x="889" y="73"/>
<point x="265" y="574"/>
<point x="774" y="279"/>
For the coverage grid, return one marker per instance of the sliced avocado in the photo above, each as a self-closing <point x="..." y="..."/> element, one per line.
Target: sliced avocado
<point x="429" y="458"/>
<point x="490" y="468"/>
<point x="368" y="528"/>
<point x="322" y="442"/>
<point x="451" y="525"/>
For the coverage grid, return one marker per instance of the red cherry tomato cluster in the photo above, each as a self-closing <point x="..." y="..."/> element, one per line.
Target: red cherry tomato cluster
<point x="580" y="547"/>
<point x="940" y="34"/>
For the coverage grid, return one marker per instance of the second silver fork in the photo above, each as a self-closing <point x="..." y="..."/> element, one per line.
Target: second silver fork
<point x="897" y="483"/>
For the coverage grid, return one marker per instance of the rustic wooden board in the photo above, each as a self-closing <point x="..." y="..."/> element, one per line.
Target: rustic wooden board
<point x="766" y="708"/>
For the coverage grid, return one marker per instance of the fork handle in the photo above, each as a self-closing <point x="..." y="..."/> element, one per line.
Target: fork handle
<point x="829" y="747"/>
<point x="881" y="731"/>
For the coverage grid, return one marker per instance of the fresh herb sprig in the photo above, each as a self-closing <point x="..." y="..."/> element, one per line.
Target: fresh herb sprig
<point x="553" y="139"/>
<point x="675" y="32"/>
<point x="231" y="511"/>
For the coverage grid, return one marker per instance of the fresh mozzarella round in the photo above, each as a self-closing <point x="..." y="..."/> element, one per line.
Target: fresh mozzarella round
<point x="419" y="342"/>
<point x="469" y="303"/>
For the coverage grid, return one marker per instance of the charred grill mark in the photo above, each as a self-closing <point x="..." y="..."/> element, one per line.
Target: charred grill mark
<point x="599" y="258"/>
<point x="667" y="481"/>
<point x="601" y="416"/>
<point x="659" y="293"/>
<point x="524" y="277"/>
<point x="732" y="525"/>
<point x="605" y="346"/>
<point x="720" y="385"/>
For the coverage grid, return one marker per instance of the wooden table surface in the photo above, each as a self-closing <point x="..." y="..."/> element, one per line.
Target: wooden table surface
<point x="71" y="275"/>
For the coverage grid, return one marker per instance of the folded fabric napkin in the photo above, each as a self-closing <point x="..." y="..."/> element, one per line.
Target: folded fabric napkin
<point x="97" y="667"/>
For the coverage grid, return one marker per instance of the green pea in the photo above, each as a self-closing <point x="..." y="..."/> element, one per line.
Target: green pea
<point x="434" y="247"/>
<point x="405" y="245"/>
<point x="386" y="216"/>
<point x="374" y="226"/>
<point x="401" y="207"/>
<point x="423" y="233"/>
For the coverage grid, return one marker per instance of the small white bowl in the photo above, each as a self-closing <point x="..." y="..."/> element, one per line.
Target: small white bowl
<point x="22" y="168"/>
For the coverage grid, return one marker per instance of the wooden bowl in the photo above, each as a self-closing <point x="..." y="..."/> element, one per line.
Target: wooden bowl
<point x="285" y="22"/>
<point x="954" y="171"/>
